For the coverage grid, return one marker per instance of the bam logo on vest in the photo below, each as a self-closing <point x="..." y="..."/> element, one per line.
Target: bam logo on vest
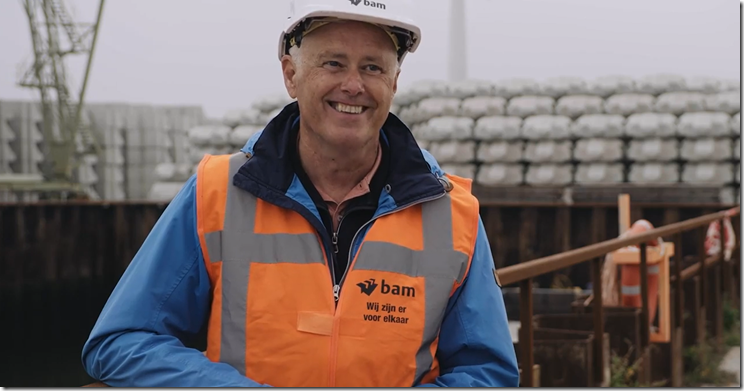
<point x="368" y="287"/>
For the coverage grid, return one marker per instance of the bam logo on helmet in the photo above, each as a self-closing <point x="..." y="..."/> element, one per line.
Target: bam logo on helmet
<point x="369" y="4"/>
<point x="368" y="287"/>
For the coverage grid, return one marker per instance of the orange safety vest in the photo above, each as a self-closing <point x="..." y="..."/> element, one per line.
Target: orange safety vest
<point x="274" y="317"/>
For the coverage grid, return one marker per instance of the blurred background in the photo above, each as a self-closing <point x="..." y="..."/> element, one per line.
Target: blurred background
<point x="542" y="102"/>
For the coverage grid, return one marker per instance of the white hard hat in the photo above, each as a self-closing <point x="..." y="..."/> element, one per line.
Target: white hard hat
<point x="394" y="16"/>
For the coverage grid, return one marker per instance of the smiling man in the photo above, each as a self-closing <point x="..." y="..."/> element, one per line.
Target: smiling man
<point x="329" y="251"/>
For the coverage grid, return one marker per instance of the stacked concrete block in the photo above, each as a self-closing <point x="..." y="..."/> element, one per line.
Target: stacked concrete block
<point x="21" y="144"/>
<point x="108" y="121"/>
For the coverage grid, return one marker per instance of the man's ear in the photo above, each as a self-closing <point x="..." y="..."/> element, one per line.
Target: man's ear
<point x="395" y="81"/>
<point x="289" y="71"/>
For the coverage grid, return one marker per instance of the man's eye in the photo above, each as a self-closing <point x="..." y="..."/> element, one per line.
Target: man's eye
<point x="333" y="63"/>
<point x="374" y="68"/>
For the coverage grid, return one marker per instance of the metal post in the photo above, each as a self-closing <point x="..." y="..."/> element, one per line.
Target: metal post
<point x="526" y="331"/>
<point x="718" y="292"/>
<point x="645" y="329"/>
<point x="598" y="320"/>
<point x="703" y="287"/>
<point x="679" y="311"/>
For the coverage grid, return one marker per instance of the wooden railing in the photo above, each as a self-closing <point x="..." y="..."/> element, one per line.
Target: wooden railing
<point x="524" y="273"/>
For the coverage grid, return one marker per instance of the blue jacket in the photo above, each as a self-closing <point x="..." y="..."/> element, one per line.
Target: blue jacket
<point x="164" y="295"/>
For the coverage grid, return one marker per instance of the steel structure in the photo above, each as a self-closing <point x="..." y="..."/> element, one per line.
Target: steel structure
<point x="67" y="138"/>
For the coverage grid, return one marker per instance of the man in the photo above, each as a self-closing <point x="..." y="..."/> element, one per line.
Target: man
<point x="331" y="251"/>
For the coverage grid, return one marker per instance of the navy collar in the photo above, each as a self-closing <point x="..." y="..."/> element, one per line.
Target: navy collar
<point x="269" y="172"/>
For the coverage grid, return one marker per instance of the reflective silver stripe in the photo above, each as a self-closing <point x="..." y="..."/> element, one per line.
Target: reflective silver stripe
<point x="214" y="245"/>
<point x="238" y="247"/>
<point x="652" y="269"/>
<point x="631" y="290"/>
<point x="438" y="263"/>
<point x="239" y="213"/>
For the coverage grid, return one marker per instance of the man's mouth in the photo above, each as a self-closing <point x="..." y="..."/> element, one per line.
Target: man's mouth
<point x="347" y="109"/>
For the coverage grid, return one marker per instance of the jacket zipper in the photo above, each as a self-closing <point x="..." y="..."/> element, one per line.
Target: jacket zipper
<point x="337" y="287"/>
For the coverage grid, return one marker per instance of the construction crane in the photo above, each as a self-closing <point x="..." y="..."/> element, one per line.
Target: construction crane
<point x="67" y="138"/>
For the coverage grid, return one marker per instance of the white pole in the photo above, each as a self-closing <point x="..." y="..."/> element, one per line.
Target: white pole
<point x="458" y="64"/>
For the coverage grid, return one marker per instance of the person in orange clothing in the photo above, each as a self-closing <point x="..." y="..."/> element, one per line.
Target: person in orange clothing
<point x="330" y="251"/>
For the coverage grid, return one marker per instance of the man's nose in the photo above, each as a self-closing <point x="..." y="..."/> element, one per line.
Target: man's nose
<point x="353" y="83"/>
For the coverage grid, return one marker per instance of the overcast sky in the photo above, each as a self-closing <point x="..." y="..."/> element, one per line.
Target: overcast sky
<point x="221" y="54"/>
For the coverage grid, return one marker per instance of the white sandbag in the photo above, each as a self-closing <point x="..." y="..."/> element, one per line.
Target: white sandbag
<point x="500" y="174"/>
<point x="232" y="118"/>
<point x="421" y="89"/>
<point x="660" y="83"/>
<point x="461" y="170"/>
<point x="173" y="172"/>
<point x="405" y="98"/>
<point x="715" y="174"/>
<point x="408" y="115"/>
<point x="437" y="107"/>
<point x="627" y="104"/>
<point x="704" y="125"/>
<point x="468" y="88"/>
<point x="445" y="128"/>
<point x="498" y="128"/>
<point x="525" y="106"/>
<point x="736" y="124"/>
<point x="500" y="151"/>
<point x="423" y="144"/>
<point x="548" y="151"/>
<point x="509" y="88"/>
<point x="214" y="135"/>
<point x="730" y="85"/>
<point x="702" y="84"/>
<point x="653" y="173"/>
<point x="242" y="133"/>
<point x="706" y="149"/>
<point x="268" y="117"/>
<point x="253" y="116"/>
<point x="165" y="171"/>
<point x="653" y="150"/>
<point x="574" y="106"/>
<point x="651" y="125"/>
<point x="483" y="106"/>
<point x="164" y="191"/>
<point x="560" y="86"/>
<point x="611" y="85"/>
<point x="553" y="127"/>
<point x="726" y="102"/>
<point x="453" y="151"/>
<point x="737" y="172"/>
<point x="599" y="173"/>
<point x="598" y="150"/>
<point x="680" y="102"/>
<point x="728" y="196"/>
<point x="598" y="125"/>
<point x="196" y="153"/>
<point x="736" y="148"/>
<point x="549" y="174"/>
<point x="271" y="102"/>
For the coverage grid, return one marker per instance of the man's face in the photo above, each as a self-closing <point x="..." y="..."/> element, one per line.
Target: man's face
<point x="344" y="78"/>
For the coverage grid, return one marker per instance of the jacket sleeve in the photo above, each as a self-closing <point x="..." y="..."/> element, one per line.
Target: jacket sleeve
<point x="475" y="345"/>
<point x="162" y="298"/>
